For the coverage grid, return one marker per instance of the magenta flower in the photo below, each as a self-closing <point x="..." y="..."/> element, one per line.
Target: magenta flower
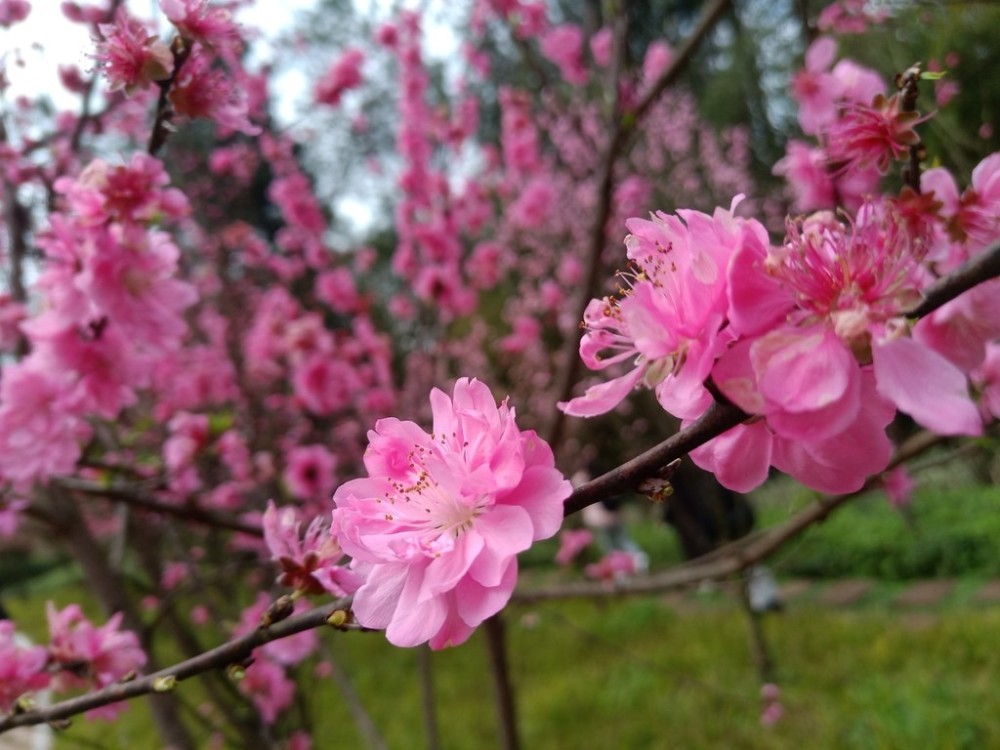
<point x="817" y="311"/>
<point x="310" y="561"/>
<point x="344" y="75"/>
<point x="667" y="322"/>
<point x="438" y="524"/>
<point x="872" y="135"/>
<point x="13" y="11"/>
<point x="267" y="685"/>
<point x="898" y="486"/>
<point x="309" y="472"/>
<point x="614" y="566"/>
<point x="130" y="56"/>
<point x="22" y="667"/>
<point x="563" y="45"/>
<point x="90" y="656"/>
<point x="571" y="543"/>
<point x="815" y="88"/>
<point x="199" y="19"/>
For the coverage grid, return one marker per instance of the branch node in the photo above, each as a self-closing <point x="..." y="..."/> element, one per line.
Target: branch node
<point x="164" y="684"/>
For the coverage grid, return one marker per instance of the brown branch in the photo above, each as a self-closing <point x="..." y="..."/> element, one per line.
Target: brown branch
<point x="624" y="126"/>
<point x="130" y="496"/>
<point x="625" y="478"/>
<point x="983" y="267"/>
<point x="181" y="50"/>
<point x="503" y="690"/>
<point x="236" y="651"/>
<point x="734" y="557"/>
<point x="721" y="417"/>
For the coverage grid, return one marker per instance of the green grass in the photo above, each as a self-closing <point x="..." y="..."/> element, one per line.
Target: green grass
<point x="947" y="532"/>
<point x="635" y="674"/>
<point x="638" y="674"/>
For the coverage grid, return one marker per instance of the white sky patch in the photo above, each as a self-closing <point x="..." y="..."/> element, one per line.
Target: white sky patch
<point x="35" y="48"/>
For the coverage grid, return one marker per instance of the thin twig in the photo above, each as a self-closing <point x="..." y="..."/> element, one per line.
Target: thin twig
<point x="496" y="642"/>
<point x="623" y="127"/>
<point x="236" y="651"/>
<point x="133" y="496"/>
<point x="734" y="557"/>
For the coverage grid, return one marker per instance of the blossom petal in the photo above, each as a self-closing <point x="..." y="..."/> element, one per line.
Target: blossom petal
<point x="603" y="397"/>
<point x="926" y="386"/>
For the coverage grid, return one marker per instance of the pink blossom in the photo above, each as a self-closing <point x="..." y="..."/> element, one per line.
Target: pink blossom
<point x="189" y="434"/>
<point x="87" y="655"/>
<point x="324" y="383"/>
<point x="129" y="276"/>
<point x="10" y="512"/>
<point x="961" y="329"/>
<point x="805" y="168"/>
<point x="820" y="307"/>
<point x="872" y="135"/>
<point x="344" y="75"/>
<point x="816" y="89"/>
<point x="859" y="85"/>
<point x="658" y="57"/>
<point x="534" y="205"/>
<point x="130" y="57"/>
<point x="615" y="565"/>
<point x="771" y="714"/>
<point x="601" y="46"/>
<point x="571" y="543"/>
<point x="135" y="192"/>
<point x="527" y="332"/>
<point x="267" y="685"/>
<point x="200" y="20"/>
<point x="309" y="472"/>
<point x="563" y="45"/>
<point x="309" y="562"/>
<point x="13" y="11"/>
<point x="337" y="289"/>
<point x="898" y="486"/>
<point x="39" y="431"/>
<point x="667" y="323"/>
<point x="22" y="667"/>
<point x="850" y="17"/>
<point x="437" y="526"/>
<point x="203" y="91"/>
<point x="987" y="378"/>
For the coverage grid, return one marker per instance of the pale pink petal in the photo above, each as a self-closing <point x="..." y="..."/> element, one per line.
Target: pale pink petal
<point x="802" y="370"/>
<point x="414" y="621"/>
<point x="443" y="572"/>
<point x="740" y="458"/>
<point x="926" y="386"/>
<point x="375" y="602"/>
<point x="602" y="397"/>
<point x="757" y="301"/>
<point x="477" y="602"/>
<point x="508" y="532"/>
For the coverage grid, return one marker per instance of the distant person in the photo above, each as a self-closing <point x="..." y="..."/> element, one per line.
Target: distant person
<point x="707" y="516"/>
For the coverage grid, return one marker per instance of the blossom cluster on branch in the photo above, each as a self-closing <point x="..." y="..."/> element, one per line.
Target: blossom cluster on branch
<point x="196" y="342"/>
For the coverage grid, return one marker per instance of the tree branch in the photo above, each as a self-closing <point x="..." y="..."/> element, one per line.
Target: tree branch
<point x="983" y="267"/>
<point x="721" y="417"/>
<point x="734" y="557"/>
<point x="624" y="126"/>
<point x="236" y="651"/>
<point x="130" y="496"/>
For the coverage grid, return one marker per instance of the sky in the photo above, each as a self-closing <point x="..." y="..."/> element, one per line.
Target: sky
<point x="46" y="40"/>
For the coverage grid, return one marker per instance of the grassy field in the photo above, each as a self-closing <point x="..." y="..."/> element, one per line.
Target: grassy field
<point x="641" y="674"/>
<point x="648" y="673"/>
